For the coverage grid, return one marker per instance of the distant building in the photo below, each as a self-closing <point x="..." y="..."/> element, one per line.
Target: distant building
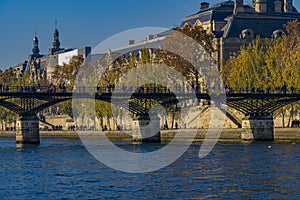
<point x="20" y="68"/>
<point x="234" y="24"/>
<point x="41" y="66"/>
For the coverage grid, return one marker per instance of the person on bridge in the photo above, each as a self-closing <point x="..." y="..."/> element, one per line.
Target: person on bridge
<point x="21" y="89"/>
<point x="295" y="123"/>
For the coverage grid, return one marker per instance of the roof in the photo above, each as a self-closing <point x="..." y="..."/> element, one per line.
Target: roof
<point x="221" y="11"/>
<point x="271" y="6"/>
<point x="217" y="12"/>
<point x="261" y="24"/>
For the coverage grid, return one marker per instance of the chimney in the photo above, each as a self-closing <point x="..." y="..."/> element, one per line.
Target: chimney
<point x="261" y="6"/>
<point x="278" y="6"/>
<point x="288" y="6"/>
<point x="149" y="37"/>
<point x="238" y="6"/>
<point x="204" y="5"/>
<point x="130" y="42"/>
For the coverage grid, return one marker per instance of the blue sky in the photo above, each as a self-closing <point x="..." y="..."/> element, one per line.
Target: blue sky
<point x="82" y="23"/>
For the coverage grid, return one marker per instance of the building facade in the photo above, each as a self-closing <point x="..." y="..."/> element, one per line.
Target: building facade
<point x="41" y="67"/>
<point x="235" y="24"/>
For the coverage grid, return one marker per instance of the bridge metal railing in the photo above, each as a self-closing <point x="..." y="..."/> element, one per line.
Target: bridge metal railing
<point x="130" y="90"/>
<point x="100" y="90"/>
<point x="280" y="90"/>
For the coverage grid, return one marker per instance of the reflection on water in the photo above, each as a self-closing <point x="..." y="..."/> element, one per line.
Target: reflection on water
<point x="62" y="168"/>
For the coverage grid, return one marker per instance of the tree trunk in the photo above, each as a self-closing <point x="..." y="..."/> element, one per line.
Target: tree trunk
<point x="282" y="119"/>
<point x="173" y="118"/>
<point x="291" y="116"/>
<point x="108" y="123"/>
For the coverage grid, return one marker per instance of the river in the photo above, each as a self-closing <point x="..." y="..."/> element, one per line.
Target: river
<point x="61" y="168"/>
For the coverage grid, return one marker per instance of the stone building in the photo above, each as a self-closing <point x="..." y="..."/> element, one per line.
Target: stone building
<point x="41" y="66"/>
<point x="235" y="24"/>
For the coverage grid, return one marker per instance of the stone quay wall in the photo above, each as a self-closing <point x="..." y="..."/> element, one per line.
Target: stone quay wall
<point x="166" y="135"/>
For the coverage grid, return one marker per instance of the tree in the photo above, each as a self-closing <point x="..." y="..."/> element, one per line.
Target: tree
<point x="25" y="79"/>
<point x="145" y="56"/>
<point x="67" y="72"/>
<point x="8" y="77"/>
<point x="66" y="108"/>
<point x="132" y="61"/>
<point x="267" y="64"/>
<point x="180" y="64"/>
<point x="247" y="70"/>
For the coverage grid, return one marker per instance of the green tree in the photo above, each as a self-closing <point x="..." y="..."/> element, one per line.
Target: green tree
<point x="145" y="56"/>
<point x="247" y="70"/>
<point x="66" y="108"/>
<point x="132" y="61"/>
<point x="267" y="64"/>
<point x="8" y="77"/>
<point x="67" y="72"/>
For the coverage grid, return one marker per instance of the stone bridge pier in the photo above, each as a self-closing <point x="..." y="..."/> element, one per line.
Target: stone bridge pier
<point x="27" y="129"/>
<point x="146" y="129"/>
<point x="259" y="128"/>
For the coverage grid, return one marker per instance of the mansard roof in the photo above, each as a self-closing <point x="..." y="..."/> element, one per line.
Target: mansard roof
<point x="271" y="6"/>
<point x="262" y="24"/>
<point x="217" y="12"/>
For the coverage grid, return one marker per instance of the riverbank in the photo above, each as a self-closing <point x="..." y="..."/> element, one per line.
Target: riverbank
<point x="280" y="134"/>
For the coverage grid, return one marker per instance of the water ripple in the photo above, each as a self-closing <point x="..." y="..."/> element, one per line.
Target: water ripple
<point x="63" y="169"/>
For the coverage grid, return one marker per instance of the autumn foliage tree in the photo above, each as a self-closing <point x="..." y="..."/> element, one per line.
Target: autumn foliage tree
<point x="267" y="64"/>
<point x="180" y="64"/>
<point x="270" y="65"/>
<point x="67" y="72"/>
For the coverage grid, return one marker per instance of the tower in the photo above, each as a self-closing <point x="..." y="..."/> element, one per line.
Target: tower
<point x="56" y="43"/>
<point x="35" y="49"/>
<point x="238" y="6"/>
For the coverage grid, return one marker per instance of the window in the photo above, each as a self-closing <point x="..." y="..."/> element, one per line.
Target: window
<point x="247" y="34"/>
<point x="278" y="34"/>
<point x="232" y="54"/>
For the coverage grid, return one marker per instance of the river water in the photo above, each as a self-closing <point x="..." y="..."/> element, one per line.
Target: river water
<point x="63" y="169"/>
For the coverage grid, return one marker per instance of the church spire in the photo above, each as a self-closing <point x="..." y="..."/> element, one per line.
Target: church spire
<point x="56" y="43"/>
<point x="35" y="49"/>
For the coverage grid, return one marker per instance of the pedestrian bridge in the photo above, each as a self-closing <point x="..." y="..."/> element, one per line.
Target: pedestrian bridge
<point x="257" y="107"/>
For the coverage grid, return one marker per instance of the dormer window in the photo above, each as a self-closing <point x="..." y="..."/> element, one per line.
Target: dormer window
<point x="277" y="34"/>
<point x="247" y="34"/>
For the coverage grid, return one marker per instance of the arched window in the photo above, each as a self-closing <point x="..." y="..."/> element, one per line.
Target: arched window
<point x="247" y="34"/>
<point x="278" y="33"/>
